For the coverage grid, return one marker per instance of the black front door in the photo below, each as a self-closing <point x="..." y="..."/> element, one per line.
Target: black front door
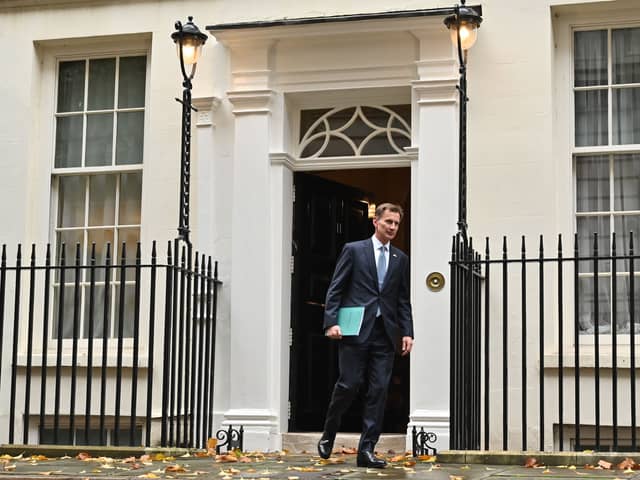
<point x="327" y="214"/>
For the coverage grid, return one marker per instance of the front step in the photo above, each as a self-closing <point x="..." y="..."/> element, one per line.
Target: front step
<point x="307" y="442"/>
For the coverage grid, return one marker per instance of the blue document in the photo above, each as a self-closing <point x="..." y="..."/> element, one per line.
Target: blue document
<point x="350" y="320"/>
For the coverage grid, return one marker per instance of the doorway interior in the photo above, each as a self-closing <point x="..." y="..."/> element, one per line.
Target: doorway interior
<point x="331" y="208"/>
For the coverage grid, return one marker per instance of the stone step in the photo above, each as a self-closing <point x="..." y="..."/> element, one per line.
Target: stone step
<point x="307" y="442"/>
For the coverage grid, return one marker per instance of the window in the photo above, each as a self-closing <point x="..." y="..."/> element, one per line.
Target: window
<point x="99" y="124"/>
<point x="607" y="166"/>
<point x="354" y="131"/>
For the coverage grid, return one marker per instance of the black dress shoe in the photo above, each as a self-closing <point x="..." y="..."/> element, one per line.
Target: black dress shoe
<point x="366" y="458"/>
<point x="325" y="445"/>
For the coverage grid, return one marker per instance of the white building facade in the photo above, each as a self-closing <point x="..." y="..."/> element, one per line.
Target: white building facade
<point x="90" y="139"/>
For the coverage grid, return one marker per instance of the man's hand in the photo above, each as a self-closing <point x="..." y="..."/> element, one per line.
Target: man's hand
<point x="407" y="345"/>
<point x="334" y="332"/>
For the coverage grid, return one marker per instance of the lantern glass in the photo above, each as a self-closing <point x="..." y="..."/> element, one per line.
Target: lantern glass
<point x="468" y="34"/>
<point x="191" y="48"/>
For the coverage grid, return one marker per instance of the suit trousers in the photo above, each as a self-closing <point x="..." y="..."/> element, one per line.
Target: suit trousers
<point x="371" y="361"/>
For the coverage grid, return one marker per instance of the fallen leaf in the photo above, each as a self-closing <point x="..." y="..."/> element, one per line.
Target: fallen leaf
<point x="244" y="460"/>
<point x="129" y="460"/>
<point x="398" y="458"/>
<point x="175" y="469"/>
<point x="148" y="475"/>
<point x="226" y="458"/>
<point x="38" y="458"/>
<point x="250" y="470"/>
<point x="456" y="477"/>
<point x="349" y="451"/>
<point x="51" y="472"/>
<point x="465" y="467"/>
<point x="427" y="458"/>
<point x="547" y="471"/>
<point x="293" y="478"/>
<point x="83" y="456"/>
<point x="604" y="464"/>
<point x="409" y="463"/>
<point x="10" y="467"/>
<point x="530" y="462"/>
<point x="571" y="467"/>
<point x="305" y="469"/>
<point x="628" y="463"/>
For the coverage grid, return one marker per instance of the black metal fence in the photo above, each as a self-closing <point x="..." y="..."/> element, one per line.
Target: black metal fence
<point x="543" y="346"/>
<point x="102" y="348"/>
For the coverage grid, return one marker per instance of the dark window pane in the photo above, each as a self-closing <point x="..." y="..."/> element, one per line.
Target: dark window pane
<point x="626" y="55"/>
<point x="623" y="304"/>
<point x="71" y="86"/>
<point x="590" y="62"/>
<point x="68" y="141"/>
<point x="592" y="183"/>
<point x="102" y="83"/>
<point x="626" y="169"/>
<point x="131" y="85"/>
<point x="626" y="116"/>
<point x="130" y="139"/>
<point x="99" y="140"/>
<point x="591" y="118"/>
<point x="624" y="225"/>
<point x="587" y="307"/>
<point x="71" y="199"/>
<point x="130" y="197"/>
<point x="102" y="200"/>
<point x="587" y="226"/>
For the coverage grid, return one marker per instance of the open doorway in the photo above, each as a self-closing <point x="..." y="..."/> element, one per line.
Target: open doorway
<point x="332" y="208"/>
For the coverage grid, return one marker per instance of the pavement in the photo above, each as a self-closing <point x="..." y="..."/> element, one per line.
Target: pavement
<point x="31" y="462"/>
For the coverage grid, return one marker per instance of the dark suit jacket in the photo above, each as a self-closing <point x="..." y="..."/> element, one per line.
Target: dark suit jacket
<point x="355" y="283"/>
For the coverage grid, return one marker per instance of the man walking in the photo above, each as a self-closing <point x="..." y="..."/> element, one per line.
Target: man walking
<point x="373" y="274"/>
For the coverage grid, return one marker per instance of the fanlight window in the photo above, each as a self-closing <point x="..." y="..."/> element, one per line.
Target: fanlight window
<point x="355" y="131"/>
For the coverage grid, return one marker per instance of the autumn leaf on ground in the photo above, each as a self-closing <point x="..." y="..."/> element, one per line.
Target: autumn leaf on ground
<point x="229" y="471"/>
<point x="409" y="463"/>
<point x="628" y="463"/>
<point x="149" y="475"/>
<point x="465" y="467"/>
<point x="531" y="462"/>
<point x="129" y="460"/>
<point x="83" y="456"/>
<point x="398" y="458"/>
<point x="51" y="472"/>
<point x="10" y="467"/>
<point x="158" y="457"/>
<point x="244" y="459"/>
<point x="226" y="458"/>
<point x="456" y="477"/>
<point x="38" y="458"/>
<point x="348" y="450"/>
<point x="547" y="471"/>
<point x="427" y="458"/>
<point x="175" y="469"/>
<point x="604" y="464"/>
<point x="330" y="461"/>
<point x="305" y="469"/>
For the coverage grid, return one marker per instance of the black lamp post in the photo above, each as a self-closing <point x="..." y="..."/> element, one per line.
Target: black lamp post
<point x="189" y="40"/>
<point x="463" y="26"/>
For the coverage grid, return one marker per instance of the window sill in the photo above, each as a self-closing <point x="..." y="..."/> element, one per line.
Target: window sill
<point x="82" y="359"/>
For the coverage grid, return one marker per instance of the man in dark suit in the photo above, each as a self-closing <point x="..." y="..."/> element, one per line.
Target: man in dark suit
<point x="373" y="274"/>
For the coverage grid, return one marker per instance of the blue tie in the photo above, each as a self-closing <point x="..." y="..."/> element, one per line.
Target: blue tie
<point x="382" y="266"/>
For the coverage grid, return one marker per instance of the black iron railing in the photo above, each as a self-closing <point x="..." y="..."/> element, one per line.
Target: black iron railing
<point x="543" y="347"/>
<point x="108" y="349"/>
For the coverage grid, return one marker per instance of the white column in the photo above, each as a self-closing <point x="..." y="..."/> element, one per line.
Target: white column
<point x="251" y="330"/>
<point x="434" y="210"/>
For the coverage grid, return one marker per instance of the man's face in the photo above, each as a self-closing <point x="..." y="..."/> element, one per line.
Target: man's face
<point x="386" y="226"/>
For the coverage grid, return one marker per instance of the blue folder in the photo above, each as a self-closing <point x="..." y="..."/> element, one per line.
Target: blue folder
<point x="350" y="320"/>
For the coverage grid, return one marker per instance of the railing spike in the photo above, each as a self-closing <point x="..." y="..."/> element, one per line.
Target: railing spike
<point x="486" y="246"/>
<point x="541" y="246"/>
<point x="613" y="244"/>
<point x="523" y="247"/>
<point x="153" y="250"/>
<point x="631" y="242"/>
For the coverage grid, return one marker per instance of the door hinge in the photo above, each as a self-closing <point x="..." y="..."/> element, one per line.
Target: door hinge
<point x="290" y="337"/>
<point x="292" y="262"/>
<point x="289" y="410"/>
<point x="293" y="193"/>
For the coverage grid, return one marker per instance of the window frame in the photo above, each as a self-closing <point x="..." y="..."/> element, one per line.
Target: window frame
<point x="107" y="49"/>
<point x="610" y="150"/>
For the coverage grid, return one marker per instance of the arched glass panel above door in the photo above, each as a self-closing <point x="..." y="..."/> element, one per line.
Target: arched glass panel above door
<point x="355" y="131"/>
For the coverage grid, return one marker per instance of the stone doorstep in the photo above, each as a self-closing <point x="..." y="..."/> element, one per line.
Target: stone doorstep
<point x="308" y="442"/>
